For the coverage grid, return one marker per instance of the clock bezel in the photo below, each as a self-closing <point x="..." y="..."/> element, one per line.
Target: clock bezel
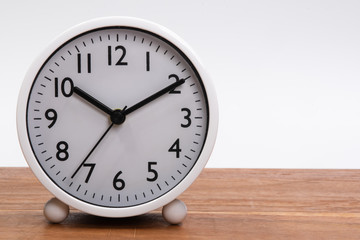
<point x="102" y="210"/>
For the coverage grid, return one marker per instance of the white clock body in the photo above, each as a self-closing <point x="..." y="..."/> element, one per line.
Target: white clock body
<point x="74" y="148"/>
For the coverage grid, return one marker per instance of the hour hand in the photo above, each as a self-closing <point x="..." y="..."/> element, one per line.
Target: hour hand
<point x="93" y="100"/>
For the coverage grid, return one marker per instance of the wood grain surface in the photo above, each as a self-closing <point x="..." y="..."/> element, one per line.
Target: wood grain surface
<point x="222" y="203"/>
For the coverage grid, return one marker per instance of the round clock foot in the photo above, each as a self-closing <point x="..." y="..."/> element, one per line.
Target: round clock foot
<point x="56" y="211"/>
<point x="174" y="212"/>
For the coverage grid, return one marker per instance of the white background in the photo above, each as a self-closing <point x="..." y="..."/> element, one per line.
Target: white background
<point x="287" y="73"/>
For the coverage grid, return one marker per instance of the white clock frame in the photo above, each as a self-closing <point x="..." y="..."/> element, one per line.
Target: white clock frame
<point x="124" y="211"/>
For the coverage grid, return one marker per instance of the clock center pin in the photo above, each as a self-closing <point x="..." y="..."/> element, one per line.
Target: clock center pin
<point x="117" y="116"/>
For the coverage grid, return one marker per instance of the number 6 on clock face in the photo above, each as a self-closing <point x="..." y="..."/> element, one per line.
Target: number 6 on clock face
<point x="117" y="117"/>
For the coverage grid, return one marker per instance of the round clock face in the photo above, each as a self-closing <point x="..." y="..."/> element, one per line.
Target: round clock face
<point x="117" y="116"/>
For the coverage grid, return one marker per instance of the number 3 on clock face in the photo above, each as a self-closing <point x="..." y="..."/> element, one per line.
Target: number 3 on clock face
<point x="116" y="116"/>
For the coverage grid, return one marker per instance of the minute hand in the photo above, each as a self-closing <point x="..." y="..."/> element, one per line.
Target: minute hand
<point x="153" y="97"/>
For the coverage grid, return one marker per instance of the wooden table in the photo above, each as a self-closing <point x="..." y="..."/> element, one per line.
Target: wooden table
<point x="222" y="203"/>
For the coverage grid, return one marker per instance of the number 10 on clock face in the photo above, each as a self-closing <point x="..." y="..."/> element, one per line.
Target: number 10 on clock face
<point x="117" y="116"/>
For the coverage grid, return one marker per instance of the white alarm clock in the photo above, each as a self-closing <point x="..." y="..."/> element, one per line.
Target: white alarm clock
<point x="117" y="117"/>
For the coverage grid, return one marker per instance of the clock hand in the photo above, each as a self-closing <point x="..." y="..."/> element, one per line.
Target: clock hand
<point x="116" y="116"/>
<point x="91" y="151"/>
<point x="92" y="100"/>
<point x="153" y="97"/>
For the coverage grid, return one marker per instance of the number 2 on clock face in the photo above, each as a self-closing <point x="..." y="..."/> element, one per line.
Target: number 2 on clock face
<point x="117" y="116"/>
